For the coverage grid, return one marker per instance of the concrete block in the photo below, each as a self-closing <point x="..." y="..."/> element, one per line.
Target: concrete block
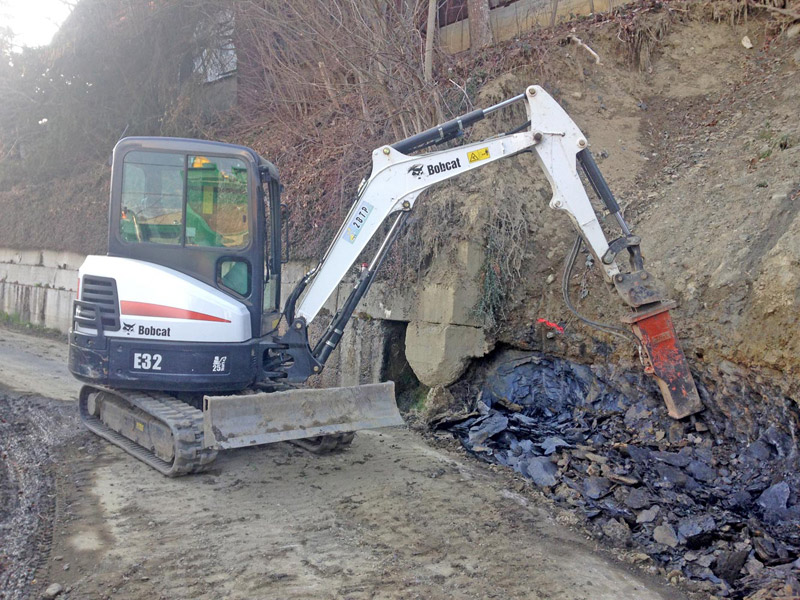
<point x="471" y="255"/>
<point x="62" y="260"/>
<point x="450" y="303"/>
<point x="58" y="309"/>
<point x="293" y="271"/>
<point x="45" y="307"/>
<point x="27" y="274"/>
<point x="66" y="279"/>
<point x="20" y="257"/>
<point x="386" y="301"/>
<point x="439" y="353"/>
<point x="6" y="293"/>
<point x="454" y="299"/>
<point x="25" y="301"/>
<point x="359" y="358"/>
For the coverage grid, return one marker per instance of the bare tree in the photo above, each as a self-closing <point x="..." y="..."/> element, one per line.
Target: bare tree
<point x="366" y="53"/>
<point x="480" y="28"/>
<point x="430" y="33"/>
<point x="115" y="65"/>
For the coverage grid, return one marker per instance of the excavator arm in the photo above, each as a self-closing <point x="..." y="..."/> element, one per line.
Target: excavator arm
<point x="398" y="178"/>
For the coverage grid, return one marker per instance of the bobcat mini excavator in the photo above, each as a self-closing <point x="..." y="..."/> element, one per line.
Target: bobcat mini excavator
<point x="178" y="332"/>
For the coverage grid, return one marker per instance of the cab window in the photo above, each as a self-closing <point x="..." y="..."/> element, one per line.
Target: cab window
<point x="170" y="198"/>
<point x="152" y="198"/>
<point x="216" y="202"/>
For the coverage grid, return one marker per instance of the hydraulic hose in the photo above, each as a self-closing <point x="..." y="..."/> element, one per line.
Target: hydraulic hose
<point x="569" y="265"/>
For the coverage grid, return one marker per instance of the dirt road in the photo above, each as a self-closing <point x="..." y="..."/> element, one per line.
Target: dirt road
<point x="389" y="518"/>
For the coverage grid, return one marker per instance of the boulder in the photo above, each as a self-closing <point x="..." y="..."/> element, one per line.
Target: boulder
<point x="439" y="353"/>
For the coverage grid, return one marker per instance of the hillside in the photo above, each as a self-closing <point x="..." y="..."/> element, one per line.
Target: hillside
<point x="696" y="134"/>
<point x="691" y="111"/>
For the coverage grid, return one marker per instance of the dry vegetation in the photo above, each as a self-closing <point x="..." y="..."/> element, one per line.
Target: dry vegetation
<point x="320" y="86"/>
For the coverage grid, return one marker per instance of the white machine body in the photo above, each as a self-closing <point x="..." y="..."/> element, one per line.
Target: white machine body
<point x="159" y="303"/>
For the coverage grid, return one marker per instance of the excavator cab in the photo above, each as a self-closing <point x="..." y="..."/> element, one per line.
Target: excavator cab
<point x="202" y="208"/>
<point x="192" y="274"/>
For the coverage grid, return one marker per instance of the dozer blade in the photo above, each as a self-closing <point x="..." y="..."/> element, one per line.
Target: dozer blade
<point x="666" y="361"/>
<point x="264" y="418"/>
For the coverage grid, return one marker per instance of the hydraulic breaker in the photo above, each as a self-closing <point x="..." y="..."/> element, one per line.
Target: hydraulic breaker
<point x="664" y="359"/>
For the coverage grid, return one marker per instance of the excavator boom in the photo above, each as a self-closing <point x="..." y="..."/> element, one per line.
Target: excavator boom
<point x="397" y="180"/>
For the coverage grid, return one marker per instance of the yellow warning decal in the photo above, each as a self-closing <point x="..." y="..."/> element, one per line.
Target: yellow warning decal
<point x="139" y="426"/>
<point x="476" y="155"/>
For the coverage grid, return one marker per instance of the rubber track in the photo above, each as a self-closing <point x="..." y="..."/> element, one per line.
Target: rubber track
<point x="185" y="422"/>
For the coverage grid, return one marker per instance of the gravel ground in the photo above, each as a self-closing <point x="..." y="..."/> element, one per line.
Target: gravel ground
<point x="32" y="432"/>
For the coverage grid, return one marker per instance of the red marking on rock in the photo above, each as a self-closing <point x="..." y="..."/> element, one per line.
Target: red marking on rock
<point x="551" y="325"/>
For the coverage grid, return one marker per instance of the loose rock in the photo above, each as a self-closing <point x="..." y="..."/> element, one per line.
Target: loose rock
<point x="53" y="590"/>
<point x="638" y="498"/>
<point x="697" y="531"/>
<point x="729" y="564"/>
<point x="491" y="425"/>
<point x="542" y="471"/>
<point x="774" y="499"/>
<point x="700" y="470"/>
<point x="618" y="531"/>
<point x="665" y="534"/>
<point x="596" y="487"/>
<point x="438" y="403"/>
<point x="686" y="498"/>
<point x="550" y="444"/>
<point x="649" y="515"/>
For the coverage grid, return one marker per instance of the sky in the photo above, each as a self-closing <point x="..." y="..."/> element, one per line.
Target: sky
<point x="34" y="22"/>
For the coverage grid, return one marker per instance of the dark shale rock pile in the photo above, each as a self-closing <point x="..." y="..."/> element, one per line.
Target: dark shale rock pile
<point x="714" y="499"/>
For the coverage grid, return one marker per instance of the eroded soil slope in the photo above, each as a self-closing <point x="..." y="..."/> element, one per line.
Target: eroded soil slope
<point x="702" y="147"/>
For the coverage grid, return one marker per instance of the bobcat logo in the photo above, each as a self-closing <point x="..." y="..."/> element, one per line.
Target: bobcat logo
<point x="128" y="327"/>
<point x="416" y="170"/>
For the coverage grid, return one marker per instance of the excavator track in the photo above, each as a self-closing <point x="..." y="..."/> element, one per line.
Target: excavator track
<point x="157" y="411"/>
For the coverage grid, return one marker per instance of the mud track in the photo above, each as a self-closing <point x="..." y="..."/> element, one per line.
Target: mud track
<point x="389" y="518"/>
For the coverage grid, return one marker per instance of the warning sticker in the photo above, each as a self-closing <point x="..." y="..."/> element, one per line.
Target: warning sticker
<point x="476" y="155"/>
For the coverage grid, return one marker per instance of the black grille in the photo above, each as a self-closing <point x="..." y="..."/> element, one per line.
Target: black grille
<point x="102" y="293"/>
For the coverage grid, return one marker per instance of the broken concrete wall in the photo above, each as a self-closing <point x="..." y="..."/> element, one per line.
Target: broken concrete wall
<point x="444" y="332"/>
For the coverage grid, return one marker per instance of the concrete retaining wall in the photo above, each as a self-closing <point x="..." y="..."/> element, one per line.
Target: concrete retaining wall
<point x="38" y="286"/>
<point x="510" y="21"/>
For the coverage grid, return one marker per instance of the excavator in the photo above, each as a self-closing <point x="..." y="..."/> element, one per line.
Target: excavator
<point x="180" y="334"/>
